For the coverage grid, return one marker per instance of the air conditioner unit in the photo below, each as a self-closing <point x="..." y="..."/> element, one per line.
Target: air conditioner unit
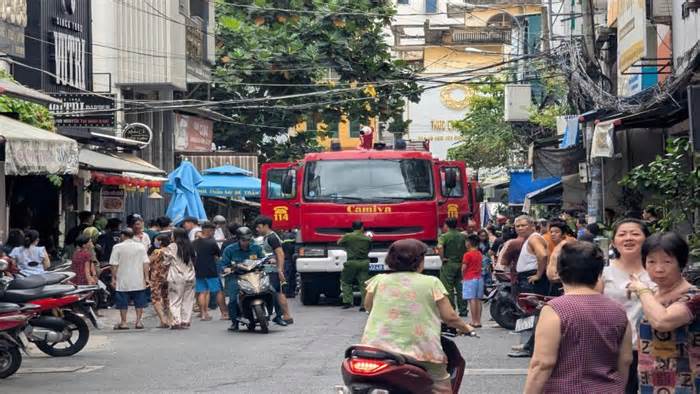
<point x="518" y="100"/>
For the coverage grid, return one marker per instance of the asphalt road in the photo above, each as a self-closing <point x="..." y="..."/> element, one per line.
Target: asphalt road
<point x="302" y="358"/>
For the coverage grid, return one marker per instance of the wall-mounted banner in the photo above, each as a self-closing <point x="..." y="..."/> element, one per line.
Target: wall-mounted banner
<point x="78" y="110"/>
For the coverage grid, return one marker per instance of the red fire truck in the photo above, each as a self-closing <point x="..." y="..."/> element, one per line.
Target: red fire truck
<point x="396" y="194"/>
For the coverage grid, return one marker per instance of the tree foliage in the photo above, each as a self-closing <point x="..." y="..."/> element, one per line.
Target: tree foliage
<point x="30" y="113"/>
<point x="487" y="139"/>
<point x="274" y="48"/>
<point x="672" y="185"/>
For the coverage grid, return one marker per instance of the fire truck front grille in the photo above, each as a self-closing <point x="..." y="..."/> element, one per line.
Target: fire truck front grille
<point x="376" y="230"/>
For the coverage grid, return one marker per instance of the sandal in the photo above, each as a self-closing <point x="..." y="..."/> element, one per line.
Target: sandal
<point x="139" y="326"/>
<point x="224" y="317"/>
<point x="208" y="318"/>
<point x="163" y="326"/>
<point x="120" y="327"/>
<point x="176" y="327"/>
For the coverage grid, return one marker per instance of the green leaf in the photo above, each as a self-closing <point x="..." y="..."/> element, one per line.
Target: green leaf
<point x="229" y="22"/>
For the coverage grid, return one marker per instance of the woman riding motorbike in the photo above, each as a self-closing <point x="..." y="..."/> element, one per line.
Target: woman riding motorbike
<point x="407" y="309"/>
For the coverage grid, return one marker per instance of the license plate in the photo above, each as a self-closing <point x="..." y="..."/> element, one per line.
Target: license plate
<point x="526" y="323"/>
<point x="376" y="266"/>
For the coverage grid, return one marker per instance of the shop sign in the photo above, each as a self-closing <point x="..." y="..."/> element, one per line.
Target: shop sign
<point x="79" y="110"/>
<point x="631" y="33"/>
<point x="13" y="20"/>
<point x="433" y="118"/>
<point x="193" y="134"/>
<point x="112" y="200"/>
<point x="138" y="132"/>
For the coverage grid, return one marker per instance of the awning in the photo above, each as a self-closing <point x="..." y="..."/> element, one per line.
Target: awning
<point x="15" y="90"/>
<point x="205" y="160"/>
<point x="116" y="162"/>
<point x="30" y="150"/>
<point x="548" y="195"/>
<point x="226" y="182"/>
<point x="521" y="183"/>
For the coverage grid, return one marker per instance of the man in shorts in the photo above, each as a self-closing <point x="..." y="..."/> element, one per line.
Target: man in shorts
<point x="207" y="282"/>
<point x="130" y="266"/>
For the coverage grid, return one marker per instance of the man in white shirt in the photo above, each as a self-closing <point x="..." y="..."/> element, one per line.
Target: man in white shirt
<point x="191" y="225"/>
<point x="139" y="234"/>
<point x="129" y="262"/>
<point x="532" y="262"/>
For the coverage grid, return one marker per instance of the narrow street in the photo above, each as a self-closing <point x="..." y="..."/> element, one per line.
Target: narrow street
<point x="302" y="358"/>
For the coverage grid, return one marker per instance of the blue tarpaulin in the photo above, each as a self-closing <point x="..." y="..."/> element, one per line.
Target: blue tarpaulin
<point x="521" y="183"/>
<point x="226" y="182"/>
<point x="186" y="200"/>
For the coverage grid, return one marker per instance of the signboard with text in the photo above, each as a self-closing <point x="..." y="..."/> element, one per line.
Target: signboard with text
<point x="193" y="134"/>
<point x="83" y="110"/>
<point x="631" y="33"/>
<point x="112" y="200"/>
<point x="13" y="20"/>
<point x="432" y="117"/>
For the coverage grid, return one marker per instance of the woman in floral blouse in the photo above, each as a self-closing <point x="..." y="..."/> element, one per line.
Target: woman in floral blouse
<point x="407" y="309"/>
<point x="158" y="280"/>
<point x="669" y="333"/>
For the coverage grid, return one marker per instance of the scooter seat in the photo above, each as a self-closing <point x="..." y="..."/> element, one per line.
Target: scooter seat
<point x="26" y="295"/>
<point x="8" y="307"/>
<point x="374" y="353"/>
<point x="53" y="278"/>
<point x="29" y="282"/>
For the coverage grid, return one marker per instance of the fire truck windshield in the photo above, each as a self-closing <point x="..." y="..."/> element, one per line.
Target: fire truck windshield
<point x="352" y="181"/>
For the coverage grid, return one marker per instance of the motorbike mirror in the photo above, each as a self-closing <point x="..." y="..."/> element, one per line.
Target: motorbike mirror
<point x="4" y="265"/>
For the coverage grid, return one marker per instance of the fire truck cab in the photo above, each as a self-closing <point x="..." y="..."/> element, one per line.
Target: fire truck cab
<point x="396" y="194"/>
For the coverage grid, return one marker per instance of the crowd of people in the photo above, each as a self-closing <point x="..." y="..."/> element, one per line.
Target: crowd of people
<point x="621" y="320"/>
<point x="177" y="269"/>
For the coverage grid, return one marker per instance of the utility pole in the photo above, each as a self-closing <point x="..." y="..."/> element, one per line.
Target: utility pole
<point x="546" y="27"/>
<point x="588" y="28"/>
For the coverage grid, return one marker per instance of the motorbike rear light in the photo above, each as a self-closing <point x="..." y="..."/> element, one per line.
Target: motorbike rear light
<point x="364" y="366"/>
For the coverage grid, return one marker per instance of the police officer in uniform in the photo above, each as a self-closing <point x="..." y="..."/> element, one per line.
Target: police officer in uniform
<point x="452" y="246"/>
<point x="356" y="268"/>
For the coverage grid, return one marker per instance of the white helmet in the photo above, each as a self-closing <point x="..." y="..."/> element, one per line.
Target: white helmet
<point x="218" y="219"/>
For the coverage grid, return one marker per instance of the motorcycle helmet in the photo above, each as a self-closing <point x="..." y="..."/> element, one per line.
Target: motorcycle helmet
<point x="244" y="233"/>
<point x="218" y="219"/>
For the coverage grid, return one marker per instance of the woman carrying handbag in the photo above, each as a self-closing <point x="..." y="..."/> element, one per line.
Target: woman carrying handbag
<point x="179" y="257"/>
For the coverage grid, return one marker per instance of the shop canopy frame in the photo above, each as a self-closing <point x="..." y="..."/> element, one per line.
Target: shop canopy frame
<point x="30" y="150"/>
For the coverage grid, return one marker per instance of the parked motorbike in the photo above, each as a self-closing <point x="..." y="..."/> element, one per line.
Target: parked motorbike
<point x="255" y="297"/>
<point x="530" y="305"/>
<point x="59" y="328"/>
<point x="504" y="308"/>
<point x="368" y="370"/>
<point x="13" y="319"/>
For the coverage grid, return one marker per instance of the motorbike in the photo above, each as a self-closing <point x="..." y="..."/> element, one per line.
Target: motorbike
<point x="256" y="295"/>
<point x="58" y="327"/>
<point x="504" y="308"/>
<point x="13" y="319"/>
<point x="530" y="305"/>
<point x="368" y="370"/>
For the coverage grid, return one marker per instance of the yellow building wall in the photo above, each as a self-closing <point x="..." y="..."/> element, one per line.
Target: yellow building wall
<point x="480" y="17"/>
<point x="446" y="59"/>
<point x="346" y="141"/>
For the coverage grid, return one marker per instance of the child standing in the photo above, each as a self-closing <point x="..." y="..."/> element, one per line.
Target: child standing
<point x="473" y="282"/>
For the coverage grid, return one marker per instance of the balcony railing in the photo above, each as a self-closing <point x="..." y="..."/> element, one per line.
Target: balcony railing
<point x="470" y="35"/>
